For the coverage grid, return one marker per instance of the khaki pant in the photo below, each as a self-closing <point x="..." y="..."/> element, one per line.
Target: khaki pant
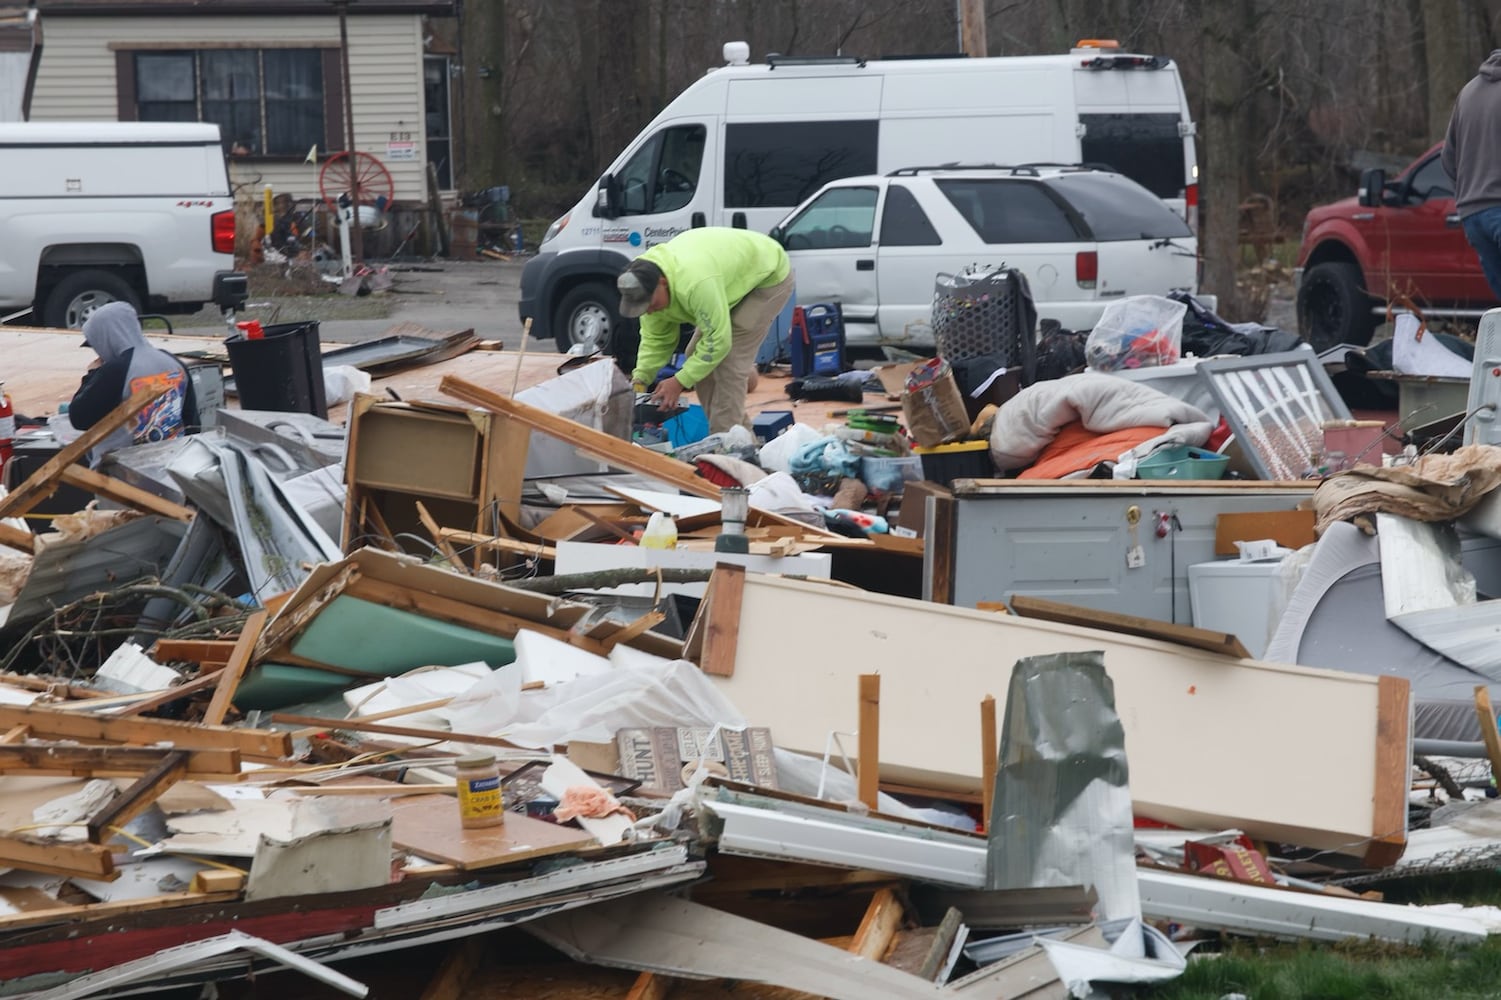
<point x="722" y="391"/>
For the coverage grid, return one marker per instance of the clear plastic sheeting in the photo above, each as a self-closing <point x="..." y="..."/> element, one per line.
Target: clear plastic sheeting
<point x="1062" y="813"/>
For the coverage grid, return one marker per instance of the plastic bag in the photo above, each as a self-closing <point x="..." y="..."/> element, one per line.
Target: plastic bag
<point x="341" y="382"/>
<point x="776" y="454"/>
<point x="1144" y="331"/>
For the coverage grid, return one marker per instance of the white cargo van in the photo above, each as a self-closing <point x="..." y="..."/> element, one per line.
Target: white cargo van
<point x="746" y="143"/>
<point x="99" y="211"/>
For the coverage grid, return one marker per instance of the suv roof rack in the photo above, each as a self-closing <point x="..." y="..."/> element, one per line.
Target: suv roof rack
<point x="775" y="59"/>
<point x="1017" y="169"/>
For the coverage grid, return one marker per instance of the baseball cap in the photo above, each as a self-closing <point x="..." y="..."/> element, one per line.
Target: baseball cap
<point x="637" y="284"/>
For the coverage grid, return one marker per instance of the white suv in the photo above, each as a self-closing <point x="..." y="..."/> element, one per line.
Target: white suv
<point x="1083" y="237"/>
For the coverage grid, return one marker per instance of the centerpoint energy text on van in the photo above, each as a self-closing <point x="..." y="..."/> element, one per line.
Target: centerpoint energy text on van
<point x="746" y="143"/>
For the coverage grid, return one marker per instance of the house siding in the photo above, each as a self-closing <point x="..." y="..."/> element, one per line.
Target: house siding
<point x="76" y="81"/>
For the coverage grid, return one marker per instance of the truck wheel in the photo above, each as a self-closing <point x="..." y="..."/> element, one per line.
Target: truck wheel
<point x="1334" y="306"/>
<point x="76" y="297"/>
<point x="587" y="315"/>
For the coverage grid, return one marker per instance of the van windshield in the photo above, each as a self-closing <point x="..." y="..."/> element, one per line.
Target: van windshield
<point x="1145" y="147"/>
<point x="1115" y="208"/>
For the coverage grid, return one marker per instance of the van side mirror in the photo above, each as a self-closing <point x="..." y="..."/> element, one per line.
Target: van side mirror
<point x="779" y="235"/>
<point x="1372" y="191"/>
<point x="607" y="198"/>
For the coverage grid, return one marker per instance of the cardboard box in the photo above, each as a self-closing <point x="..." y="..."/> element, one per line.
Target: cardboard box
<point x="913" y="512"/>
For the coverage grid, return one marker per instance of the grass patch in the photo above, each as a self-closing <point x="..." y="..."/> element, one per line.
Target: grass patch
<point x="1357" y="971"/>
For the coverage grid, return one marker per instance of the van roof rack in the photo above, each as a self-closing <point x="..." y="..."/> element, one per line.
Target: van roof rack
<point x="775" y="59"/>
<point x="904" y="56"/>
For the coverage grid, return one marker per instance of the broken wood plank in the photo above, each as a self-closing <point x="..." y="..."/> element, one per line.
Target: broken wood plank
<point x="650" y="986"/>
<point x="431" y="524"/>
<point x="358" y="726"/>
<point x="124" y="493"/>
<point x="721" y="611"/>
<point x="1146" y="628"/>
<point x="868" y="768"/>
<point x="1389" y="806"/>
<point x="883" y="918"/>
<point x="83" y="860"/>
<point x="43" y="482"/>
<point x="500" y="543"/>
<point x="15" y="734"/>
<point x="462" y="961"/>
<point x="49" y="724"/>
<point x="989" y="760"/>
<point x="17" y="539"/>
<point x="925" y="951"/>
<point x="139" y="796"/>
<point x="1292" y="528"/>
<point x="150" y="703"/>
<point x="645" y="623"/>
<point x="229" y="677"/>
<point x="73" y="913"/>
<point x="218" y="880"/>
<point x="100" y="762"/>
<point x="192" y="650"/>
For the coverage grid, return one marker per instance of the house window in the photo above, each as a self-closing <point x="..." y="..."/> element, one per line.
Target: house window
<point x="266" y="102"/>
<point x="435" y="73"/>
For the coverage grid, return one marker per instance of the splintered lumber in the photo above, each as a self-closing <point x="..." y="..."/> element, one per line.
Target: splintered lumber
<point x="122" y="492"/>
<point x="359" y="726"/>
<point x="218" y="880"/>
<point x="596" y="444"/>
<point x="82" y="860"/>
<point x="877" y="931"/>
<point x="989" y="758"/>
<point x="49" y="724"/>
<point x="464" y="958"/>
<point x="109" y="762"/>
<point x="229" y="677"/>
<point x="17" y="539"/>
<point x="1148" y="628"/>
<point x="499" y="543"/>
<point x="139" y="796"/>
<point x="167" y="696"/>
<point x="43" y="482"/>
<point x="645" y="623"/>
<point x="868" y="768"/>
<point x="650" y="986"/>
<point x="192" y="650"/>
<point x="444" y="546"/>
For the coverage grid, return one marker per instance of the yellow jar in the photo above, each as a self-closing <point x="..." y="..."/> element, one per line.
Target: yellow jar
<point x="480" y="802"/>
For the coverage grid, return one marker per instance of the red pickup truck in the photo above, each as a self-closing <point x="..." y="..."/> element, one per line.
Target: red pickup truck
<point x="1395" y="241"/>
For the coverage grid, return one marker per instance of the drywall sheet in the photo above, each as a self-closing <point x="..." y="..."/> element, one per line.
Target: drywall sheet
<point x="1210" y="741"/>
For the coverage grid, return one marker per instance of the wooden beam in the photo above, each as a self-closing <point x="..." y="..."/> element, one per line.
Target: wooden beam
<point x="124" y="493"/>
<point x="645" y="623"/>
<point x="85" y="860"/>
<point x="431" y="524"/>
<point x="48" y="724"/>
<point x="192" y="650"/>
<point x="650" y="986"/>
<point x="721" y="633"/>
<point x="532" y="550"/>
<point x="139" y="796"/>
<point x="596" y="444"/>
<point x="868" y="767"/>
<point x="229" y="677"/>
<point x="167" y="696"/>
<point x="941" y="541"/>
<point x="1147" y="628"/>
<point x="43" y="482"/>
<point x="218" y="880"/>
<point x="17" y="539"/>
<point x="464" y="958"/>
<point x="15" y="734"/>
<point x="357" y="726"/>
<point x="1393" y="740"/>
<point x="99" y="762"/>
<point x="988" y="759"/>
<point x="883" y="918"/>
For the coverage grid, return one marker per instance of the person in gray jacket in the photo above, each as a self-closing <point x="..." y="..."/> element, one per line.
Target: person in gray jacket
<point x="1472" y="156"/>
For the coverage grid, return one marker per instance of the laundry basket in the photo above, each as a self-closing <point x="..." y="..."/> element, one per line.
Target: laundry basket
<point x="986" y="311"/>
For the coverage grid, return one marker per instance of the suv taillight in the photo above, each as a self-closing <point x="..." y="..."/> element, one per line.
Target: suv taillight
<point x="222" y="226"/>
<point x="1086" y="268"/>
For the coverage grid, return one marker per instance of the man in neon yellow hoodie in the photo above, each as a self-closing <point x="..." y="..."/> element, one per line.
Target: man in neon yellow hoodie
<point x="730" y="284"/>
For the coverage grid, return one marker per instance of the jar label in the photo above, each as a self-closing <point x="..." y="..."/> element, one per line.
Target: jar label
<point x="479" y="797"/>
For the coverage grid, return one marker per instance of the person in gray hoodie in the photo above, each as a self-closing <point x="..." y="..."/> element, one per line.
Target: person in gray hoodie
<point x="127" y="364"/>
<point x="1472" y="156"/>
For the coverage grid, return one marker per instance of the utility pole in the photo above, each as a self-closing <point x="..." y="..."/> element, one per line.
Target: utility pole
<point x="356" y="231"/>
<point x="972" y="28"/>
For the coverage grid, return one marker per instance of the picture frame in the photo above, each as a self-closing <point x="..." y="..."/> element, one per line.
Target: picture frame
<point x="524" y="784"/>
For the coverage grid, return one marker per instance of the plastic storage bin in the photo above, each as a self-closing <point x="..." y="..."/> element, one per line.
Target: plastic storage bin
<point x="962" y="460"/>
<point x="886" y="474"/>
<point x="1183" y="462"/>
<point x="282" y="370"/>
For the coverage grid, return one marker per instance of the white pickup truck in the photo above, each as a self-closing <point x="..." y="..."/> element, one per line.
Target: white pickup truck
<point x="94" y="212"/>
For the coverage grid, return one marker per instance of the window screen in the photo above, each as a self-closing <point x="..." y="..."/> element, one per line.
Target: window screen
<point x="1114" y="208"/>
<point x="1009" y="211"/>
<point x="904" y="223"/>
<point x="778" y="164"/>
<point x="1146" y="148"/>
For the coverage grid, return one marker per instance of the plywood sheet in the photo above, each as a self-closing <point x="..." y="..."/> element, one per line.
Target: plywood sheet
<point x="1211" y="742"/>
<point x="429" y="825"/>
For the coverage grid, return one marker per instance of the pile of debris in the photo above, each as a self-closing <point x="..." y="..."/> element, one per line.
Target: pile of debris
<point x="248" y="718"/>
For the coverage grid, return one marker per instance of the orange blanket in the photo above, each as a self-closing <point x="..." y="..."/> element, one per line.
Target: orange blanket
<point x="1076" y="449"/>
